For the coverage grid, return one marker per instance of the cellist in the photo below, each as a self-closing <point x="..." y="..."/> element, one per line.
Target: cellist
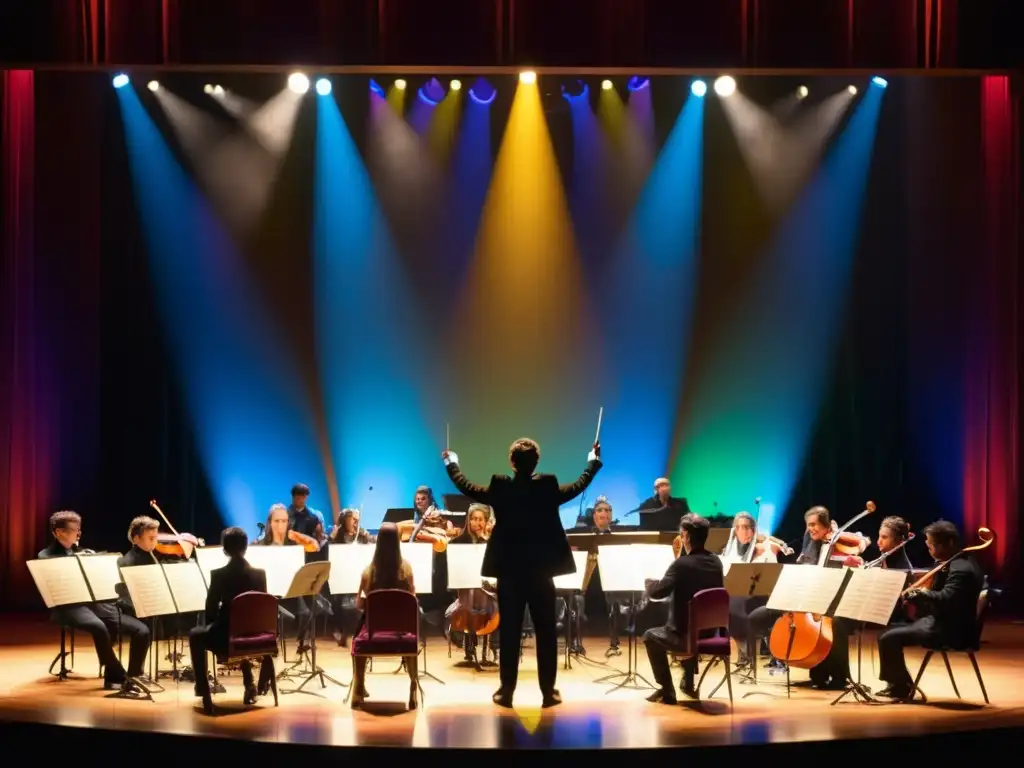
<point x="475" y="532"/>
<point x="950" y="603"/>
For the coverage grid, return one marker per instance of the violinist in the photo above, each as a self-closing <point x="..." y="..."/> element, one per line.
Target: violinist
<point x="347" y="531"/>
<point x="616" y="604"/>
<point x="950" y="602"/>
<point x="280" y="533"/>
<point x="743" y="547"/>
<point x="99" y="619"/>
<point x="143" y="533"/>
<point x="892" y="533"/>
<point x="478" y="601"/>
<point x="346" y="616"/>
<point x="477" y="519"/>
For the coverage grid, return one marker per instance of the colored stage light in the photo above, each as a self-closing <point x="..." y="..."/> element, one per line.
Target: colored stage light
<point x="801" y="92"/>
<point x="528" y="77"/>
<point x="852" y="89"/>
<point x="574" y="90"/>
<point x="208" y="88"/>
<point x="637" y="84"/>
<point x="298" y="82"/>
<point x="725" y="86"/>
<point x="606" y="85"/>
<point x="400" y="84"/>
<point x="120" y="80"/>
<point x="455" y="85"/>
<point x="881" y="82"/>
<point x="699" y="88"/>
<point x="483" y="92"/>
<point x="153" y="85"/>
<point x="323" y="86"/>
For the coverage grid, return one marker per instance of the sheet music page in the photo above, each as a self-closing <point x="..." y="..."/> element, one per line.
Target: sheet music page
<point x="806" y="589"/>
<point x="103" y="575"/>
<point x="188" y="586"/>
<point x="421" y="557"/>
<point x="626" y="569"/>
<point x="871" y="595"/>
<point x="573" y="581"/>
<point x="348" y="561"/>
<point x="280" y="563"/>
<point x="59" y="581"/>
<point x="464" y="564"/>
<point x="148" y="589"/>
<point x="210" y="558"/>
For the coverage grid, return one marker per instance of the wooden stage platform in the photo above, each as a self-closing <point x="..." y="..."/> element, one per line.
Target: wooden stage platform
<point x="458" y="714"/>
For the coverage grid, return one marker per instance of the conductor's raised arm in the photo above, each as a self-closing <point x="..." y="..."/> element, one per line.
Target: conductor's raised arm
<point x="466" y="488"/>
<point x="567" y="493"/>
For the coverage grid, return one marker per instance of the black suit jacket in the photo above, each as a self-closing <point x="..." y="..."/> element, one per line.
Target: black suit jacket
<point x="528" y="540"/>
<point x="104" y="609"/>
<point x="953" y="602"/>
<point x="687" y="576"/>
<point x="226" y="584"/>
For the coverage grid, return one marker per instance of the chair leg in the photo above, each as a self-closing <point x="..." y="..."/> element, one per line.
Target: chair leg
<point x="72" y="647"/>
<point x="707" y="668"/>
<point x="728" y="678"/>
<point x="348" y="693"/>
<point x="977" y="671"/>
<point x="273" y="677"/>
<point x="920" y="673"/>
<point x="949" y="671"/>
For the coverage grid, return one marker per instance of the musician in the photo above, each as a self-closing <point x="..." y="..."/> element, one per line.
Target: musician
<point x="347" y="531"/>
<point x="280" y="533"/>
<point x="694" y="570"/>
<point x="893" y="532"/>
<point x="475" y="532"/>
<point x="426" y="506"/>
<point x="302" y="518"/>
<point x="616" y="604"/>
<point x="663" y="498"/>
<point x="387" y="571"/>
<point x="143" y="533"/>
<point x="226" y="584"/>
<point x="527" y="549"/>
<point x="345" y="615"/>
<point x="951" y="605"/>
<point x="738" y="550"/>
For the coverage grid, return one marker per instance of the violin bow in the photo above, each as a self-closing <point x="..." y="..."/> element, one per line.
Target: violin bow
<point x="868" y="509"/>
<point x="154" y="505"/>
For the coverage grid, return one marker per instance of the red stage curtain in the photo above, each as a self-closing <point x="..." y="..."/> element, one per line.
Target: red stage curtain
<point x="26" y="459"/>
<point x="993" y="383"/>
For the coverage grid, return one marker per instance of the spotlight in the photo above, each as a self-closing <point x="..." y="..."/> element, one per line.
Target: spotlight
<point x="698" y="88"/>
<point x="376" y="88"/>
<point x="801" y="92"/>
<point x="637" y="84"/>
<point x="218" y="90"/>
<point x="120" y="80"/>
<point x="528" y="78"/>
<point x="298" y="82"/>
<point x="725" y="86"/>
<point x="455" y="85"/>
<point x="323" y="86"/>
<point x="483" y="92"/>
<point x="207" y="88"/>
<point x="574" y="90"/>
<point x="400" y="84"/>
<point x="852" y="89"/>
<point x="153" y="85"/>
<point x="606" y="85"/>
<point x="881" y="82"/>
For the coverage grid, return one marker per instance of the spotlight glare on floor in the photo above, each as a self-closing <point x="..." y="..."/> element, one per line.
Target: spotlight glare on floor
<point x="120" y="80"/>
<point x="881" y="82"/>
<point x="725" y="86"/>
<point x="528" y="78"/>
<point x="153" y="85"/>
<point x="456" y="85"/>
<point x="323" y="86"/>
<point x="698" y="88"/>
<point x="606" y="85"/>
<point x="400" y="84"/>
<point x="298" y="82"/>
<point x="852" y="89"/>
<point x="801" y="92"/>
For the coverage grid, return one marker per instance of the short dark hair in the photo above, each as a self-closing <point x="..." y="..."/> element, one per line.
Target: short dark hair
<point x="899" y="527"/>
<point x="820" y="514"/>
<point x="60" y="520"/>
<point x="524" y="454"/>
<point x="943" y="532"/>
<point x="140" y="524"/>
<point x="696" y="527"/>
<point x="300" y="489"/>
<point x="235" y="541"/>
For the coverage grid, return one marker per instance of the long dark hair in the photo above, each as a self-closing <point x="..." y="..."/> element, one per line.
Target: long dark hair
<point x="385" y="570"/>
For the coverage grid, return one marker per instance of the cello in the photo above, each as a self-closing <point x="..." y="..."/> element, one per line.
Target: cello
<point x="804" y="640"/>
<point x="986" y="536"/>
<point x="476" y="610"/>
<point x="174" y="544"/>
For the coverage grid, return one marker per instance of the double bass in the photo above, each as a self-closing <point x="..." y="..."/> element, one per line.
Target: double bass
<point x="804" y="640"/>
<point x="174" y="544"/>
<point x="986" y="536"/>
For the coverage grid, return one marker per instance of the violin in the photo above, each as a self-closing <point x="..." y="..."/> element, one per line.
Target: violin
<point x="175" y="544"/>
<point x="438" y="537"/>
<point x="804" y="640"/>
<point x="926" y="581"/>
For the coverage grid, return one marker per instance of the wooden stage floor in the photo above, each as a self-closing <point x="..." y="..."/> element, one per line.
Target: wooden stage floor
<point x="459" y="714"/>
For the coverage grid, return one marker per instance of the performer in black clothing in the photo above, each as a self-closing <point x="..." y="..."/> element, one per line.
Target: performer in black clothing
<point x="226" y="584"/>
<point x="694" y="570"/>
<point x="951" y="605"/>
<point x="663" y="498"/>
<point x="891" y="533"/>
<point x="615" y="604"/>
<point x="100" y="619"/>
<point x="526" y="550"/>
<point x="142" y="533"/>
<point x="281" y="533"/>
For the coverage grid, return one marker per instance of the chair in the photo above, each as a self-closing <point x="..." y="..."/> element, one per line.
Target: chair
<point x="252" y="624"/>
<point x="392" y="628"/>
<point x="709" y="610"/>
<point x="972" y="648"/>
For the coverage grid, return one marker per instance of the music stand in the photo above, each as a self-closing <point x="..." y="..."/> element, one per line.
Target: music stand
<point x="801" y="589"/>
<point x="420" y="557"/>
<point x="570" y="585"/>
<point x="61" y="582"/>
<point x="870" y="597"/>
<point x="308" y="582"/>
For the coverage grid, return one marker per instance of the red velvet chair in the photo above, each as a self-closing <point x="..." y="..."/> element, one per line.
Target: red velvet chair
<point x="709" y="610"/>
<point x="391" y="628"/>
<point x="253" y="627"/>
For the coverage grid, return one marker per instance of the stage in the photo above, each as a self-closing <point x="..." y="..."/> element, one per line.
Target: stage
<point x="458" y="714"/>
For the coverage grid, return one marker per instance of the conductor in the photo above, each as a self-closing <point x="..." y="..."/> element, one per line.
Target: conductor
<point x="527" y="549"/>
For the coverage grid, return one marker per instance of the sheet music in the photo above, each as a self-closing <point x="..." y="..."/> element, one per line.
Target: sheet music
<point x="464" y="564"/>
<point x="871" y="595"/>
<point x="148" y="589"/>
<point x="280" y="563"/>
<point x="573" y="581"/>
<point x="188" y="586"/>
<point x="347" y="565"/>
<point x="59" y="581"/>
<point x="626" y="569"/>
<point x="421" y="558"/>
<point x="102" y="574"/>
<point x="806" y="589"/>
<point x="210" y="558"/>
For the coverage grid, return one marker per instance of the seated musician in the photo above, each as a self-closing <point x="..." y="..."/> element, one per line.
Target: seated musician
<point x="950" y="606"/>
<point x="742" y="547"/>
<point x="348" y="531"/>
<point x="143" y="532"/>
<point x="615" y="603"/>
<point x="893" y="532"/>
<point x="280" y="533"/>
<point x="345" y="615"/>
<point x="227" y="583"/>
<point x="99" y="619"/>
<point x="387" y="571"/>
<point x="694" y="570"/>
<point x="302" y="518"/>
<point x="426" y="506"/>
<point x="834" y="671"/>
<point x="475" y="532"/>
<point x="663" y="498"/>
